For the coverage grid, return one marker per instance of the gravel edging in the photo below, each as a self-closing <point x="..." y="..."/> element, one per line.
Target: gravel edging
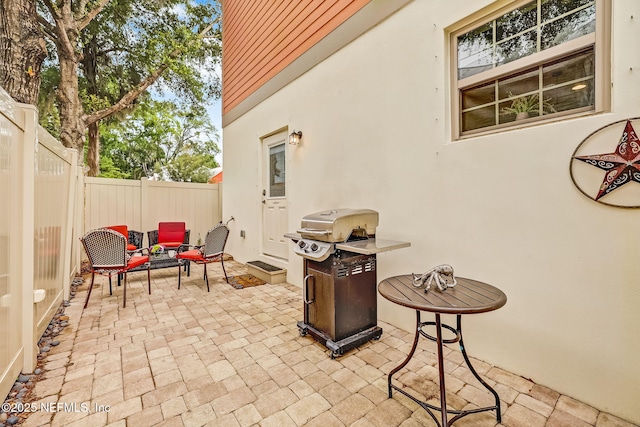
<point x="22" y="391"/>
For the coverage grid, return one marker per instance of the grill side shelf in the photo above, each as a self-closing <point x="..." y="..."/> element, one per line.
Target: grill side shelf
<point x="372" y="246"/>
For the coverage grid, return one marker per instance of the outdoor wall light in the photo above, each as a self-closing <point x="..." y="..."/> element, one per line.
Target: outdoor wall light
<point x="579" y="86"/>
<point x="295" y="137"/>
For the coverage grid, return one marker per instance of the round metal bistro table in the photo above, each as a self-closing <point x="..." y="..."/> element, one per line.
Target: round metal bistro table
<point x="467" y="297"/>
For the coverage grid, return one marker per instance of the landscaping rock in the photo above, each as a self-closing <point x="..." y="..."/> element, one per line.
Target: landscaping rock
<point x="21" y="390"/>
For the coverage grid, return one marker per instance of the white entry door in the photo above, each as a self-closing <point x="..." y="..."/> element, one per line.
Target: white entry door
<point x="274" y="196"/>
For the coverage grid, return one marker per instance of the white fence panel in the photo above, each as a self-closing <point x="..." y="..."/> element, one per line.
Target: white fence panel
<point x="112" y="202"/>
<point x="37" y="189"/>
<point x="198" y="205"/>
<point x="11" y="132"/>
<point x="142" y="204"/>
<point x="53" y="174"/>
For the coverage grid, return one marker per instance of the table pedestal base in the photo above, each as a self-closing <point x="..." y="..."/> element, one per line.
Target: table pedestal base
<point x="445" y="422"/>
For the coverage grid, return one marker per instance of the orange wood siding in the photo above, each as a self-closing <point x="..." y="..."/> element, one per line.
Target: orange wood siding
<point x="261" y="37"/>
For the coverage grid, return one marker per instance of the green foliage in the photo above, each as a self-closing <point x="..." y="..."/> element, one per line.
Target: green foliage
<point x="191" y="168"/>
<point x="109" y="170"/>
<point x="47" y="107"/>
<point x="160" y="139"/>
<point x="528" y="104"/>
<point x="127" y="42"/>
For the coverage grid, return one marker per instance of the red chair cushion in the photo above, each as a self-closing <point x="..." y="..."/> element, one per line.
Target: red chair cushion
<point x="192" y="255"/>
<point x="137" y="260"/>
<point x="171" y="244"/>
<point x="171" y="232"/>
<point x="124" y="230"/>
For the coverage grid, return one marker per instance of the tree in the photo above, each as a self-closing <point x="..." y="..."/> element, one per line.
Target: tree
<point x="22" y="50"/>
<point x="164" y="140"/>
<point x="108" y="53"/>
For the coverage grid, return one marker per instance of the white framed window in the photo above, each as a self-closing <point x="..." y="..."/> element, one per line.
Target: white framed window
<point x="537" y="60"/>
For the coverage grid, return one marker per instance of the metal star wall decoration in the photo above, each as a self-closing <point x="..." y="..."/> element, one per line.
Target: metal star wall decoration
<point x="621" y="166"/>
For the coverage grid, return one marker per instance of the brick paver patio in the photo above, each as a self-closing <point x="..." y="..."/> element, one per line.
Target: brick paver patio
<point x="234" y="358"/>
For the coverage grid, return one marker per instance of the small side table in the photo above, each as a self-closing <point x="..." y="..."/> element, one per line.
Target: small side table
<point x="467" y="297"/>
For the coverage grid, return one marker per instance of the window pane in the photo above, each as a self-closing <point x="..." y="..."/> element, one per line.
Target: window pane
<point x="276" y="171"/>
<point x="516" y="21"/>
<point x="553" y="8"/>
<point x="478" y="96"/>
<point x="517" y="85"/>
<point x="475" y="51"/>
<point x="568" y="28"/>
<point x="517" y="47"/>
<point x="570" y="69"/>
<point x="520" y="108"/>
<point x="480" y="118"/>
<point x="570" y="82"/>
<point x="570" y="97"/>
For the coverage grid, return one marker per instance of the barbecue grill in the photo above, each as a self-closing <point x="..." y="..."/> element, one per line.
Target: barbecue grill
<point x="339" y="249"/>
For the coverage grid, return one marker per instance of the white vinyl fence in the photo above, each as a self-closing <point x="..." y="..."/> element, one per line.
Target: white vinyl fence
<point x="39" y="184"/>
<point x="141" y="205"/>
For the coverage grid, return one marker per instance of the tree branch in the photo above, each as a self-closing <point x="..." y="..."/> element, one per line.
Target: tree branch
<point x="127" y="99"/>
<point x="81" y="6"/>
<point x="58" y="30"/>
<point x="130" y="96"/>
<point x="53" y="9"/>
<point x="48" y="29"/>
<point x="81" y="23"/>
<point x="111" y="50"/>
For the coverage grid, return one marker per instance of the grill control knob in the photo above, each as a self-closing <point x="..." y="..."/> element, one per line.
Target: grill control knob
<point x="302" y="244"/>
<point x="314" y="247"/>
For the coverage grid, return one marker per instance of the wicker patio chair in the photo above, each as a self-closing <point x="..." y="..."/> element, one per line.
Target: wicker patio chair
<point x="211" y="251"/>
<point x="108" y="255"/>
<point x="134" y="238"/>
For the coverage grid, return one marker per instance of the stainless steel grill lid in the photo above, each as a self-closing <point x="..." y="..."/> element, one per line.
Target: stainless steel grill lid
<point x="337" y="225"/>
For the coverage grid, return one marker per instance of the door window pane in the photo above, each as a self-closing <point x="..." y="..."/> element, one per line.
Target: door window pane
<point x="277" y="171"/>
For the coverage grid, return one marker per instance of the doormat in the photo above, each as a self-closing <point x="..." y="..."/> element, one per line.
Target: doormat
<point x="264" y="266"/>
<point x="245" y="281"/>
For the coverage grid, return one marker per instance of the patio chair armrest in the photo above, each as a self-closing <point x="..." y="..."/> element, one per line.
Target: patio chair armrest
<point x="185" y="247"/>
<point x="140" y="251"/>
<point x="216" y="255"/>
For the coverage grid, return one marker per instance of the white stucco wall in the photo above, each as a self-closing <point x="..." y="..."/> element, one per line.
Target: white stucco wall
<point x="500" y="208"/>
